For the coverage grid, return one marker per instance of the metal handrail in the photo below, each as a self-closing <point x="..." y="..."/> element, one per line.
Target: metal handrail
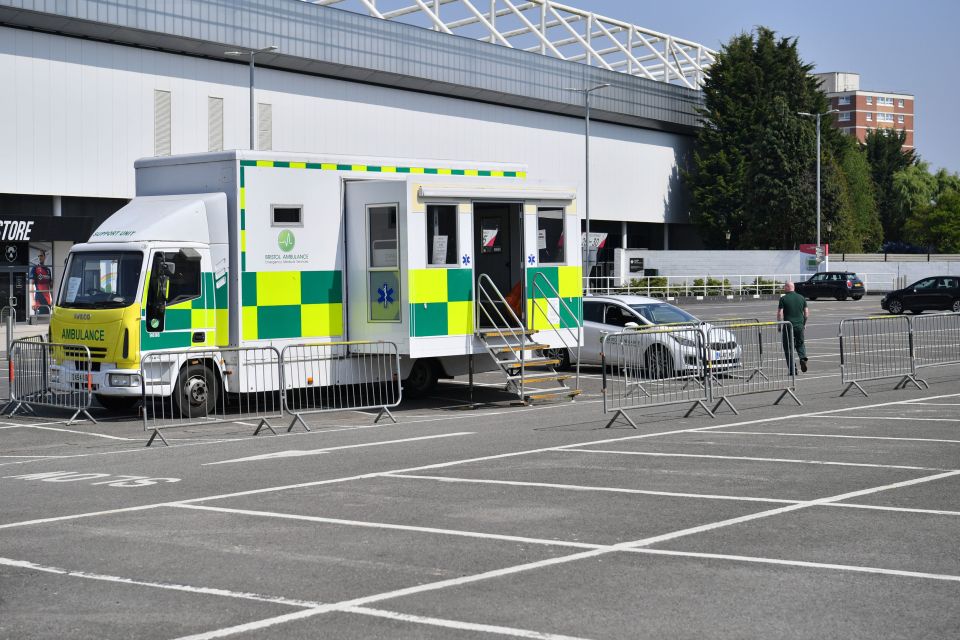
<point x="482" y="292"/>
<point x="578" y="336"/>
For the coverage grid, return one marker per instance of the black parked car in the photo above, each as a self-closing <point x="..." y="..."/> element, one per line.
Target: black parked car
<point x="929" y="294"/>
<point x="832" y="284"/>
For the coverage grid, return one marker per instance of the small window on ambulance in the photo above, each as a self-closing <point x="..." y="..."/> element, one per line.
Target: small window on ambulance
<point x="442" y="234"/>
<point x="286" y="215"/>
<point x="382" y="227"/>
<point x="550" y="237"/>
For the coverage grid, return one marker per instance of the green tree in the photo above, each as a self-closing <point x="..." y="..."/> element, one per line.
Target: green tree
<point x="753" y="164"/>
<point x="937" y="225"/>
<point x="886" y="155"/>
<point x="858" y="227"/>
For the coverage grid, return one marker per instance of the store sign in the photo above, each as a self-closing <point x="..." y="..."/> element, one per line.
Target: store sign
<point x="16" y="230"/>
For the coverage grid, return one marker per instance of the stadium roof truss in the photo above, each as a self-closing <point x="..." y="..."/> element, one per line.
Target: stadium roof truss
<point x="551" y="29"/>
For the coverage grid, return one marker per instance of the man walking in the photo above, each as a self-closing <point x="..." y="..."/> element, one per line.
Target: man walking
<point x="793" y="309"/>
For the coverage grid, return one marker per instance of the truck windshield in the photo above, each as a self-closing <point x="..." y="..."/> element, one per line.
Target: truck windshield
<point x="101" y="280"/>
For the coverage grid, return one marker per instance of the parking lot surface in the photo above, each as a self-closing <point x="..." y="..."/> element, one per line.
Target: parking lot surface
<point x="481" y="519"/>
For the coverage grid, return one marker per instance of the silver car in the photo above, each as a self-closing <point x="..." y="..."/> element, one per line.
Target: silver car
<point x="663" y="354"/>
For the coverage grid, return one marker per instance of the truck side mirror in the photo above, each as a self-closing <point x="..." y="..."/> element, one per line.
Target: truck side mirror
<point x="631" y="325"/>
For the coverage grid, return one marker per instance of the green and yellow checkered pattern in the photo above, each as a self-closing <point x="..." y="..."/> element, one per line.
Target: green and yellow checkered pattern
<point x="568" y="283"/>
<point x="441" y="302"/>
<point x="292" y="304"/>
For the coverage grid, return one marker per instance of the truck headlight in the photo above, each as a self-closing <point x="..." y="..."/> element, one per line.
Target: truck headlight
<point x="124" y="380"/>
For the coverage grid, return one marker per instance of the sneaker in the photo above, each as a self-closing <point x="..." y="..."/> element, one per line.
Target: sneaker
<point x="803" y="365"/>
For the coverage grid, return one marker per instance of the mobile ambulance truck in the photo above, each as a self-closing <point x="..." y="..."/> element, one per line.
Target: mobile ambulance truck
<point x="238" y="249"/>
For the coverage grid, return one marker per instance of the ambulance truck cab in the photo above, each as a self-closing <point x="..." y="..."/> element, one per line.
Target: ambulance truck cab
<point x="237" y="249"/>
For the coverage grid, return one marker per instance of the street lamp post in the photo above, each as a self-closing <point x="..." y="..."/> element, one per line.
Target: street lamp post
<point x="252" y="53"/>
<point x="818" y="116"/>
<point x="586" y="207"/>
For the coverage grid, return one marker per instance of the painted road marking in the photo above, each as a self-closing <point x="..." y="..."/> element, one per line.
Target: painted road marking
<point x="384" y="525"/>
<point x="801" y="563"/>
<point x="77" y="476"/>
<point x="453" y="624"/>
<point x="574" y="487"/>
<point x="497" y="573"/>
<point x="379" y="613"/>
<point x="898" y="418"/>
<point x="317" y="483"/>
<point x="296" y="453"/>
<point x="752" y="459"/>
<point x="82" y="433"/>
<point x="23" y="564"/>
<point x="831" y="435"/>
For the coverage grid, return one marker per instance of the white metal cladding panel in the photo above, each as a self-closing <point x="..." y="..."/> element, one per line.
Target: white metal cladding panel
<point x="80" y="112"/>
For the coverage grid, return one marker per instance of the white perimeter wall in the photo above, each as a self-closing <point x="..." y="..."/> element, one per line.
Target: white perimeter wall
<point x="75" y="114"/>
<point x="882" y="275"/>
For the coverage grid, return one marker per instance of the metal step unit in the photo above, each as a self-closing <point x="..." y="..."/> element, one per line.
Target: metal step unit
<point x="527" y="368"/>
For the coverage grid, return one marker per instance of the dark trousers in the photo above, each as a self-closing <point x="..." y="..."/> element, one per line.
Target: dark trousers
<point x="798" y="347"/>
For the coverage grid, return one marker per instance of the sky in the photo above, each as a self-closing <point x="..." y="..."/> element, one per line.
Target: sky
<point x="900" y="46"/>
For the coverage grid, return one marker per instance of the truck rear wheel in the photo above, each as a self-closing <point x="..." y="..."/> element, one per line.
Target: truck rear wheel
<point x="196" y="393"/>
<point x="422" y="379"/>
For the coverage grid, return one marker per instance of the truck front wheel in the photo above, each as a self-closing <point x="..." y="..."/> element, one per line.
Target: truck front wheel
<point x="195" y="395"/>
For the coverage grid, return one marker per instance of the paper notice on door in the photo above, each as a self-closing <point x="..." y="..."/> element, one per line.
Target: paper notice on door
<point x="439" y="253"/>
<point x="489" y="237"/>
<point x="73" y="287"/>
<point x="541" y="239"/>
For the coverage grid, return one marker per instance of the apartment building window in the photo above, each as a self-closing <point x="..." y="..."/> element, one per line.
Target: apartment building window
<point x="161" y="123"/>
<point x="884" y="102"/>
<point x="900" y="119"/>
<point x="842" y="100"/>
<point x="265" y="127"/>
<point x="900" y="103"/>
<point x="869" y="117"/>
<point x="214" y="124"/>
<point x="844" y="116"/>
<point x="869" y="99"/>
<point x="885" y="117"/>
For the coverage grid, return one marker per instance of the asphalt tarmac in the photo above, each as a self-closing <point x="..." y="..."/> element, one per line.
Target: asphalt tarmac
<point x="468" y="520"/>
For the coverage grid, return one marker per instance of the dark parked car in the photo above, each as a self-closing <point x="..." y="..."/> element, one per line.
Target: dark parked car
<point x="929" y="294"/>
<point x="832" y="284"/>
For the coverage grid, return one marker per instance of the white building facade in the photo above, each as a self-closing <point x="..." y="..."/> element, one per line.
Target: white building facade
<point x="78" y="110"/>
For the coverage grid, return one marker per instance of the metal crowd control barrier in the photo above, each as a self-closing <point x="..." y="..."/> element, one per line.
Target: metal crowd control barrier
<point x="653" y="367"/>
<point x="192" y="387"/>
<point x="876" y="348"/>
<point x="936" y="340"/>
<point x="750" y="357"/>
<point x="45" y="374"/>
<point x="337" y="376"/>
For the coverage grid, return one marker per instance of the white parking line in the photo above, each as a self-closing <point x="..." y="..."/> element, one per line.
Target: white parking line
<point x="521" y="568"/>
<point x="296" y="453"/>
<point x="453" y="624"/>
<point x="801" y="563"/>
<point x="83" y="433"/>
<point x="830" y="435"/>
<point x="23" y="564"/>
<point x="752" y="459"/>
<point x="898" y="418"/>
<point x="575" y="487"/>
<point x="318" y="483"/>
<point x="395" y="527"/>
